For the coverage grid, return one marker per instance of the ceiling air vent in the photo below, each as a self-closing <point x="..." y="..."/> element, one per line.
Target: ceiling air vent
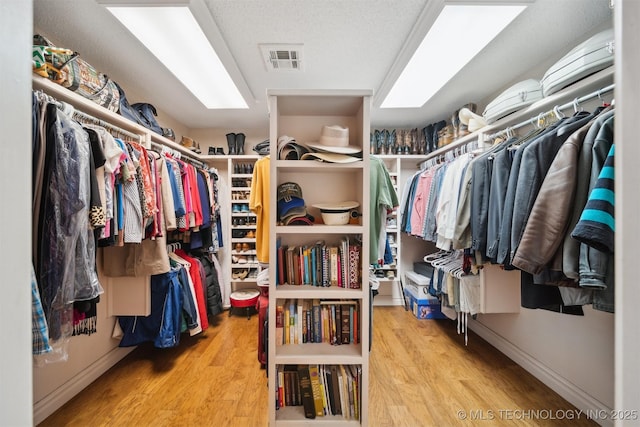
<point x="282" y="57"/>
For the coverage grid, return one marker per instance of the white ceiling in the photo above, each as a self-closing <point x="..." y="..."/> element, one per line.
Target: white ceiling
<point x="347" y="44"/>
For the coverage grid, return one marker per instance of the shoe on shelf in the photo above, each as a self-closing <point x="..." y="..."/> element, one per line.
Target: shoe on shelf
<point x="251" y="234"/>
<point x="391" y="274"/>
<point x="235" y="209"/>
<point x="238" y="248"/>
<point x="244" y="208"/>
<point x="246" y="247"/>
<point x="253" y="274"/>
<point x="239" y="274"/>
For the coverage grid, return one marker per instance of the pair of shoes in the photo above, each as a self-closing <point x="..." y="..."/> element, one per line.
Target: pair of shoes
<point x="240" y="259"/>
<point x="250" y="234"/>
<point x="238" y="234"/>
<point x="216" y="151"/>
<point x="240" y="274"/>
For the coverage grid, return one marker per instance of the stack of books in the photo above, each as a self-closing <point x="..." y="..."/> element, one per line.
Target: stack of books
<point x="320" y="264"/>
<point x="323" y="390"/>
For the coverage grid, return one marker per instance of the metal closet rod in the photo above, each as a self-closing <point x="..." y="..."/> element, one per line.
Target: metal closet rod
<point x="107" y="125"/>
<point x="63" y="106"/>
<point x="178" y="154"/>
<point x="112" y="127"/>
<point x="573" y="104"/>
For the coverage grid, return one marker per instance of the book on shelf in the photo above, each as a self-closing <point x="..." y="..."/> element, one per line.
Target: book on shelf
<point x="345" y="324"/>
<point x="279" y="322"/>
<point x="333" y="256"/>
<point x="323" y="390"/>
<point x="316" y="311"/>
<point x="299" y="321"/>
<point x="336" y="404"/>
<point x="282" y="278"/>
<point x="315" y="385"/>
<point x="287" y="322"/>
<point x="293" y="337"/>
<point x="280" y="388"/>
<point x="355" y="274"/>
<point x="326" y="268"/>
<point x="306" y="391"/>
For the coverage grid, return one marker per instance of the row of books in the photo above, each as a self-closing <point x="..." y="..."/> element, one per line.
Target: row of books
<point x="320" y="264"/>
<point x="322" y="390"/>
<point x="300" y="321"/>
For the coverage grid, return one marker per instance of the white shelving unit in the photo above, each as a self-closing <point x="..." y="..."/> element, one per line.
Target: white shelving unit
<point x="301" y="114"/>
<point x="407" y="248"/>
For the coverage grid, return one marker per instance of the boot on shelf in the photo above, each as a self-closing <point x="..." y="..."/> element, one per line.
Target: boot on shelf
<point x="231" y="142"/>
<point x="240" y="143"/>
<point x="427" y="131"/>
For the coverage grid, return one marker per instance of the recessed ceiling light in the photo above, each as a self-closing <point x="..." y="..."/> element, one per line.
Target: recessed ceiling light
<point x="173" y="35"/>
<point x="457" y="35"/>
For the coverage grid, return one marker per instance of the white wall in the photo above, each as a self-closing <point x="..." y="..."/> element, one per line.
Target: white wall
<point x="573" y="355"/>
<point x="15" y="192"/>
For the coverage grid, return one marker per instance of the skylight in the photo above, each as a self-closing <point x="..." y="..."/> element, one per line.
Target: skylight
<point x="173" y="35"/>
<point x="459" y="33"/>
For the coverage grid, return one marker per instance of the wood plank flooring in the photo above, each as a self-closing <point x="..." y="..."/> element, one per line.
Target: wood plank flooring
<point x="421" y="374"/>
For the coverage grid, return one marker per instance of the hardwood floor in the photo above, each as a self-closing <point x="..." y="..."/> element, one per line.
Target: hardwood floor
<point x="421" y="374"/>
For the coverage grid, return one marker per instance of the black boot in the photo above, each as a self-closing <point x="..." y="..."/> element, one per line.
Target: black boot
<point x="231" y="142"/>
<point x="437" y="127"/>
<point x="428" y="136"/>
<point x="240" y="143"/>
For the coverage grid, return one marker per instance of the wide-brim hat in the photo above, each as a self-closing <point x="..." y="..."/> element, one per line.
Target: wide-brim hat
<point x="330" y="157"/>
<point x="336" y="206"/>
<point x="335" y="139"/>
<point x="337" y="213"/>
<point x="472" y="120"/>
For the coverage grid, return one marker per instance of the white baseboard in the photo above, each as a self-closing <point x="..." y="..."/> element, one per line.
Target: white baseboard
<point x="387" y="300"/>
<point x="54" y="401"/>
<point x="569" y="391"/>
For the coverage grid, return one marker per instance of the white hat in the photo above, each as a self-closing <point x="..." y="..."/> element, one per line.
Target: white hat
<point x="336" y="213"/>
<point x="471" y="119"/>
<point x="335" y="139"/>
<point x="336" y="206"/>
<point x="330" y="157"/>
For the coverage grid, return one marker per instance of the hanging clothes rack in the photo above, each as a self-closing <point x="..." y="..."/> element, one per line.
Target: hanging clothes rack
<point x="87" y="117"/>
<point x="178" y="155"/>
<point x="555" y="111"/>
<point x="82" y="116"/>
<point x="439" y="156"/>
<point x="118" y="130"/>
